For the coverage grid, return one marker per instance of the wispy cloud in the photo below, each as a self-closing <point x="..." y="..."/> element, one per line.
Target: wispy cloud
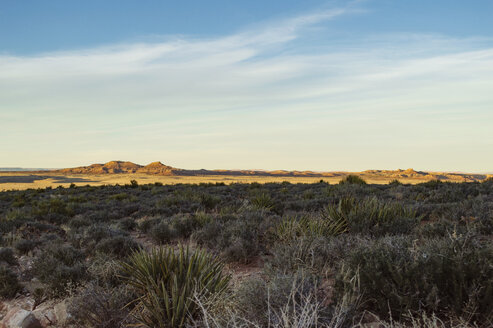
<point x="259" y="91"/>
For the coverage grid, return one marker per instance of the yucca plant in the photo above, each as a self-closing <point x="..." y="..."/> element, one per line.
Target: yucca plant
<point x="166" y="281"/>
<point x="371" y="216"/>
<point x="262" y="201"/>
<point x="292" y="228"/>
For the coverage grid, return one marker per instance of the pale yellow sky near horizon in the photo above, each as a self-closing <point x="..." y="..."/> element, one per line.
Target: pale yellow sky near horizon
<point x="260" y="98"/>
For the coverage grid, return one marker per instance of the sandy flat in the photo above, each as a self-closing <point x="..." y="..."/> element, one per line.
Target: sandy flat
<point x="22" y="180"/>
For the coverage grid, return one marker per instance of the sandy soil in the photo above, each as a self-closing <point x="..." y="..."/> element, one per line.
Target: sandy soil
<point x="21" y="180"/>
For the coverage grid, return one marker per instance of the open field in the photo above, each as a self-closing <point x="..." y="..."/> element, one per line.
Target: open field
<point x="34" y="180"/>
<point x="274" y="254"/>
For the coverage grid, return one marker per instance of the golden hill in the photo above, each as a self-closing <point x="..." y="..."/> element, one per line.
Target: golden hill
<point x="158" y="168"/>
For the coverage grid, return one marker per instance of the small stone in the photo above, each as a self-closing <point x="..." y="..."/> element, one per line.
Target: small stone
<point x="61" y="313"/>
<point x="19" y="318"/>
<point x="46" y="317"/>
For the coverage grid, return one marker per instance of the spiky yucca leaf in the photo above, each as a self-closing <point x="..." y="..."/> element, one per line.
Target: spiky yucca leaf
<point x="292" y="228"/>
<point x="368" y="215"/>
<point x="167" y="281"/>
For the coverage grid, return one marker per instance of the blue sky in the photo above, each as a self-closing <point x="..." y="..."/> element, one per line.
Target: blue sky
<point x="320" y="85"/>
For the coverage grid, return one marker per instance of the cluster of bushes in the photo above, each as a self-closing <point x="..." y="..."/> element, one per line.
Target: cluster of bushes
<point x="316" y="255"/>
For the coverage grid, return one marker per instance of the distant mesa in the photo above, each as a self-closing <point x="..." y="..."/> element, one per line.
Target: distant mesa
<point x="108" y="168"/>
<point x="158" y="168"/>
<point x="118" y="167"/>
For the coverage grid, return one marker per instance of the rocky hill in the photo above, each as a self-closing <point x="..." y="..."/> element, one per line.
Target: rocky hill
<point x="158" y="168"/>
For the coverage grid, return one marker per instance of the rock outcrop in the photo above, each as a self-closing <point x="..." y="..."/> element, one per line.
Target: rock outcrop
<point x="158" y="168"/>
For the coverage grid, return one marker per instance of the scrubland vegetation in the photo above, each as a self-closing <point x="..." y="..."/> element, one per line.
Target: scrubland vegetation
<point x="254" y="255"/>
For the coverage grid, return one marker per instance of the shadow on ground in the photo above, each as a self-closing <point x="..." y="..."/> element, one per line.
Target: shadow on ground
<point x="32" y="178"/>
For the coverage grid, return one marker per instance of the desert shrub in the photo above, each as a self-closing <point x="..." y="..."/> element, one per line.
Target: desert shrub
<point x="185" y="225"/>
<point x="24" y="246"/>
<point x="488" y="180"/>
<point x="32" y="228"/>
<point x="209" y="234"/>
<point x="273" y="303"/>
<point x="395" y="182"/>
<point x="202" y="218"/>
<point x="209" y="201"/>
<point x="162" y="232"/>
<point x="146" y="224"/>
<point x="105" y="270"/>
<point x="236" y="240"/>
<point x="120" y="196"/>
<point x="294" y="256"/>
<point x="60" y="266"/>
<point x="319" y="256"/>
<point x="9" y="285"/>
<point x="127" y="224"/>
<point x="101" y="237"/>
<point x="50" y="238"/>
<point x="448" y="276"/>
<point x="99" y="307"/>
<point x="55" y="210"/>
<point x="167" y="281"/>
<point x="241" y="249"/>
<point x="79" y="222"/>
<point x="352" y="179"/>
<point x="439" y="228"/>
<point x="12" y="220"/>
<point x="7" y="256"/>
<point x="424" y="320"/>
<point x="119" y="246"/>
<point x="432" y="184"/>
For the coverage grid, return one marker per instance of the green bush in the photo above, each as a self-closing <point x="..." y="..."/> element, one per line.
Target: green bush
<point x="167" y="282"/>
<point x="185" y="225"/>
<point x="105" y="270"/>
<point x="127" y="224"/>
<point x="59" y="267"/>
<point x="209" y="235"/>
<point x="7" y="256"/>
<point x="119" y="246"/>
<point x="9" y="285"/>
<point x="146" y="224"/>
<point x="321" y="256"/>
<point x="24" y="246"/>
<point x="208" y="201"/>
<point x="79" y="222"/>
<point x="99" y="307"/>
<point x="120" y="196"/>
<point x="236" y="240"/>
<point x="353" y="179"/>
<point x="447" y="276"/>
<point x="162" y="233"/>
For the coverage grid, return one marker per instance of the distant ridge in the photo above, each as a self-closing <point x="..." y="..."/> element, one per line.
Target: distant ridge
<point x="158" y="168"/>
<point x="21" y="169"/>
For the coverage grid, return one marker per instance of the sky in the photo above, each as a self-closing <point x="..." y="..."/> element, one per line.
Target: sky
<point x="296" y="85"/>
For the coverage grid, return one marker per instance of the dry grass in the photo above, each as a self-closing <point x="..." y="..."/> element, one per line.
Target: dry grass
<point x="25" y="180"/>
